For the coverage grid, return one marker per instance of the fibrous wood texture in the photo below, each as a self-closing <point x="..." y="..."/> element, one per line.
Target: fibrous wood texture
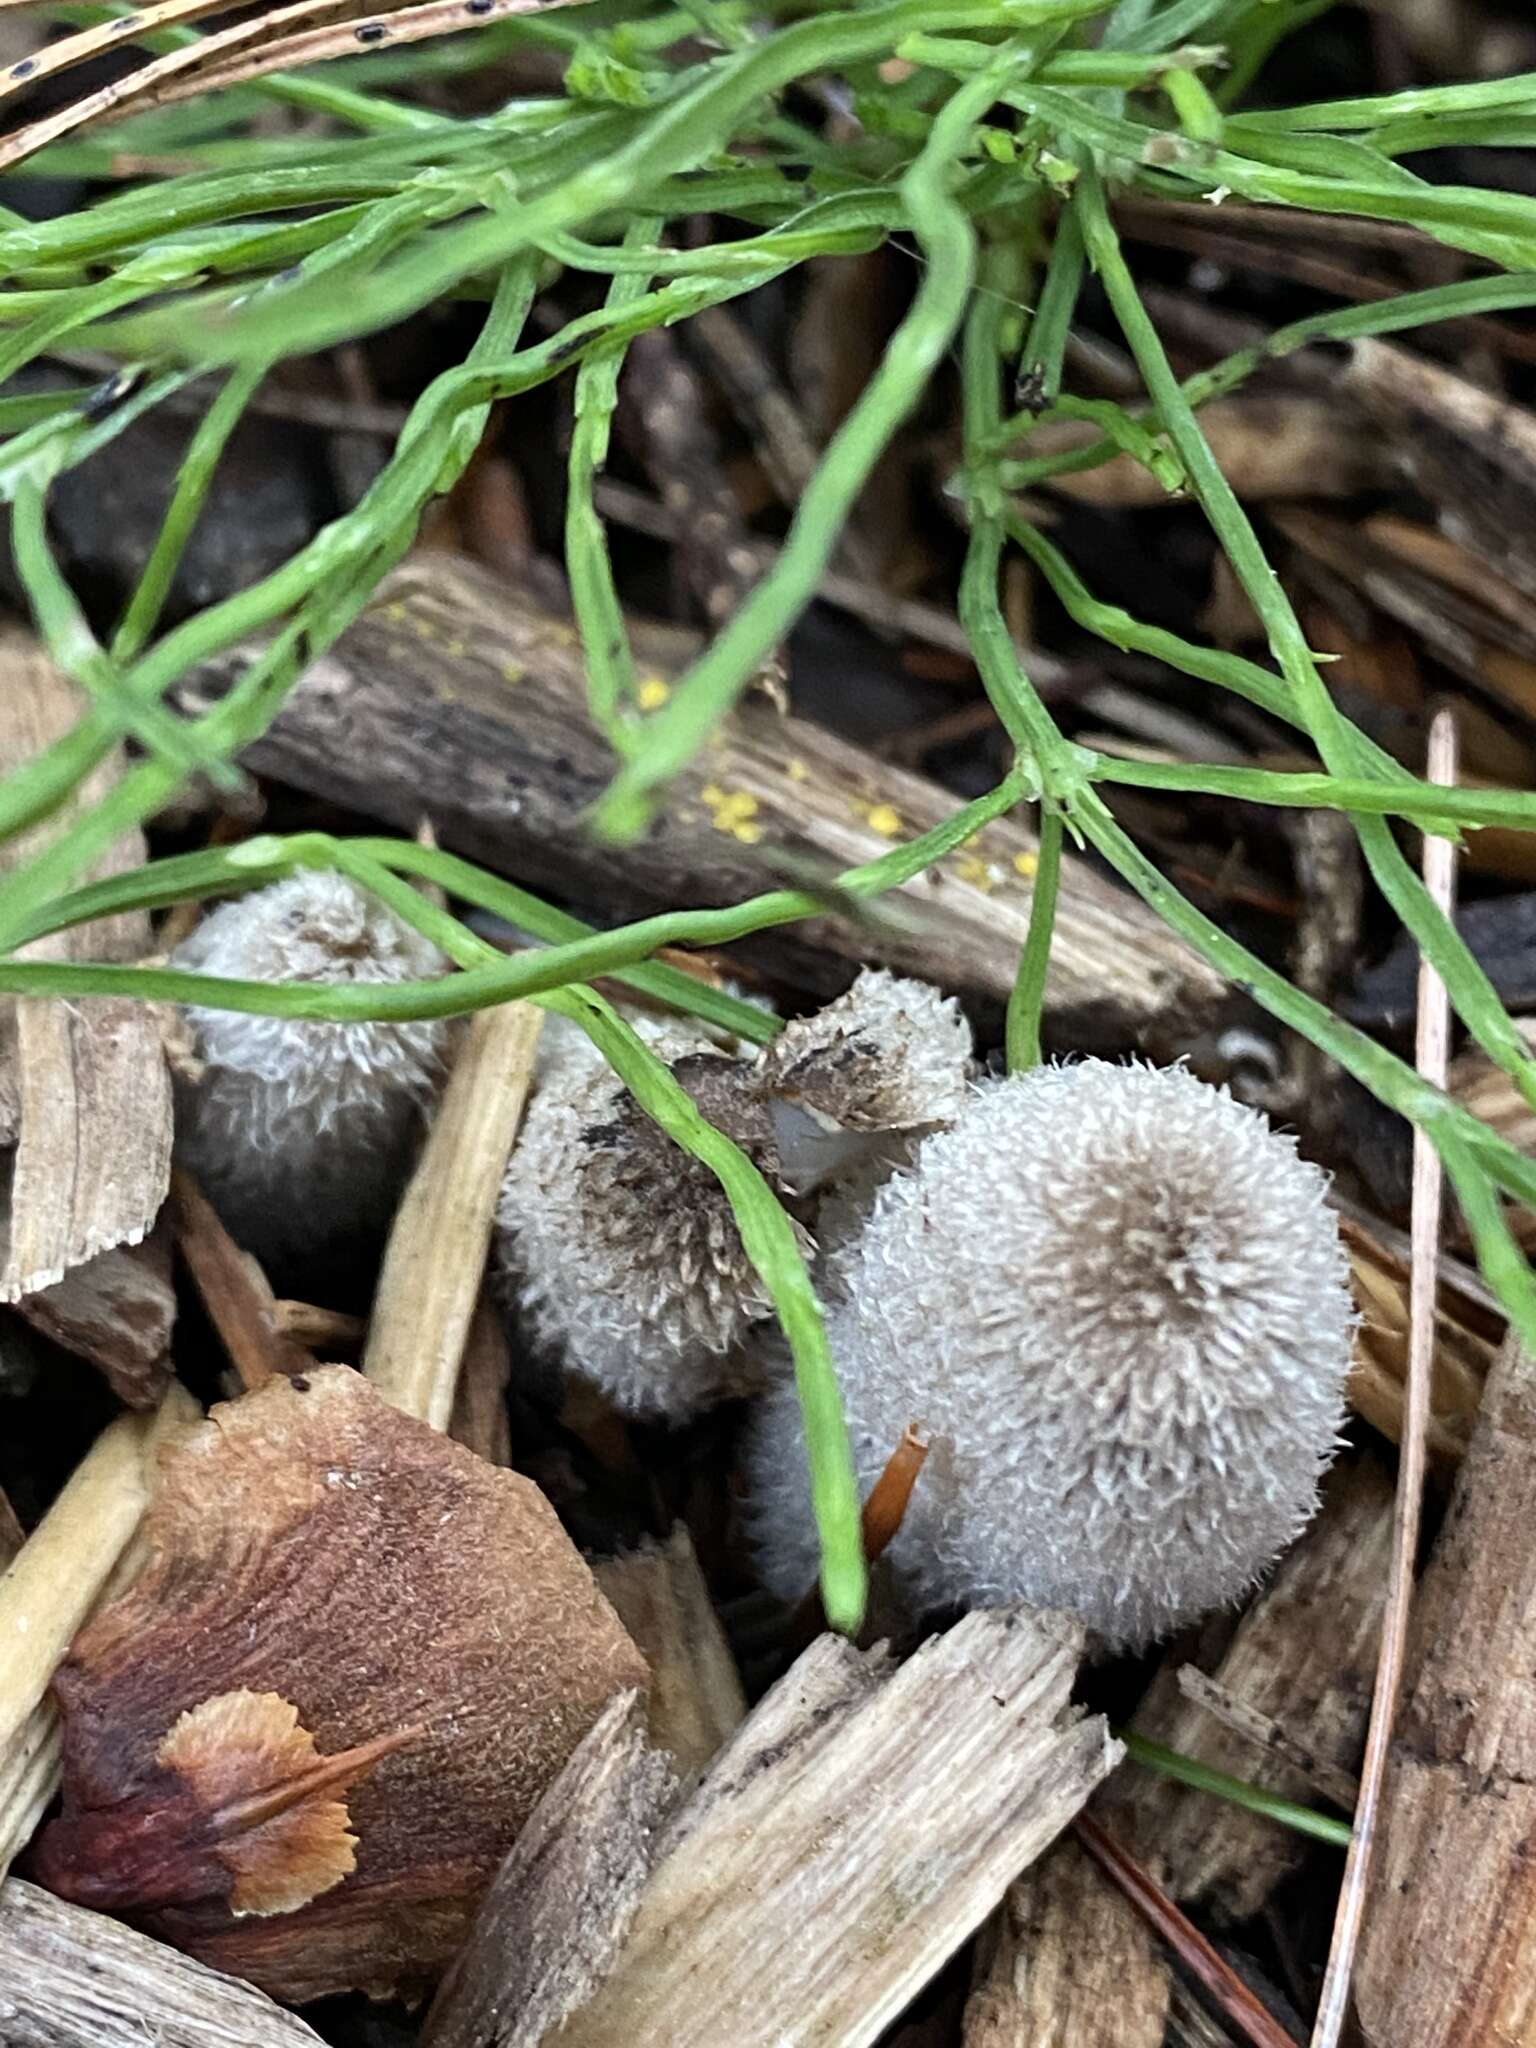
<point x="456" y="697"/>
<point x="696" y="1700"/>
<point x="74" y="1979"/>
<point x="1066" y="1962"/>
<point x="1448" y="1948"/>
<point x="117" y="1310"/>
<point x="437" y="1245"/>
<point x="49" y="1589"/>
<point x="92" y="1099"/>
<point x="845" y="1843"/>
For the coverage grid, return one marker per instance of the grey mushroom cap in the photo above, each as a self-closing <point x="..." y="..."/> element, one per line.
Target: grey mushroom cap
<point x="621" y="1250"/>
<point x="301" y="1130"/>
<point x="1117" y="1303"/>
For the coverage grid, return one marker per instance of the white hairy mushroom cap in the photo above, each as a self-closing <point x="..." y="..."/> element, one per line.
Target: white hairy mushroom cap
<point x="301" y="1130"/>
<point x="622" y="1250"/>
<point x="1117" y="1303"/>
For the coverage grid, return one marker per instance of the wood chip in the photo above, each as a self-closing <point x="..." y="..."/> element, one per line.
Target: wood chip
<point x="1449" y="1931"/>
<point x="1067" y="1961"/>
<point x="847" y="1841"/>
<point x="696" y="1699"/>
<point x="50" y="1588"/>
<point x="118" y="1310"/>
<point x="456" y="695"/>
<point x="435" y="1262"/>
<point x="91" y="1093"/>
<point x="74" y="1979"/>
<point x="240" y="1303"/>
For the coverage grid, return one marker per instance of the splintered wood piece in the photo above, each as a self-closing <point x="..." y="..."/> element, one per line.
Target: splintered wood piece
<point x="1302" y="1656"/>
<point x="50" y="1588"/>
<point x="74" y="1979"/>
<point x="311" y="1541"/>
<point x="841" y="1848"/>
<point x="92" y="1098"/>
<point x="435" y="1261"/>
<point x="810" y="1895"/>
<point x="117" y="1310"/>
<point x="1264" y="1734"/>
<point x="1448" y="1940"/>
<point x="1067" y="1960"/>
<point x="562" y="1902"/>
<point x="452" y="683"/>
<point x="696" y="1700"/>
<point x="235" y="1291"/>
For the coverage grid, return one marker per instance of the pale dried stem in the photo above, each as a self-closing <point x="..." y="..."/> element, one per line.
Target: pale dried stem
<point x="1432" y="1057"/>
<point x="436" y="1255"/>
<point x="49" y="1590"/>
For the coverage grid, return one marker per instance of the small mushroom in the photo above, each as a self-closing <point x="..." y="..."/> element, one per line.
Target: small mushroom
<point x="301" y="1131"/>
<point x="1116" y="1302"/>
<point x="300" y="1743"/>
<point x="622" y="1250"/>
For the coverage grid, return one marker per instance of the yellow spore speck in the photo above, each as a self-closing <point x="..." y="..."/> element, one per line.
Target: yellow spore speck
<point x="454" y="647"/>
<point x="979" y="873"/>
<point x="797" y="771"/>
<point x="395" y="610"/>
<point x="884" y="819"/>
<point x="731" y="810"/>
<point x="1027" y="864"/>
<point x="512" y="671"/>
<point x="653" y="692"/>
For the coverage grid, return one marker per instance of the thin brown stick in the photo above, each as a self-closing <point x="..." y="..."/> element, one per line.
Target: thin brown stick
<point x="886" y="1508"/>
<point x="882" y="1515"/>
<point x="90" y="42"/>
<point x="1238" y="2005"/>
<point x="234" y="1289"/>
<point x="164" y="78"/>
<point x="1432" y="1055"/>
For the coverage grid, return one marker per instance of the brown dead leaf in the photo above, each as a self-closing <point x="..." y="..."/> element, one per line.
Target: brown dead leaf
<point x="420" y="1616"/>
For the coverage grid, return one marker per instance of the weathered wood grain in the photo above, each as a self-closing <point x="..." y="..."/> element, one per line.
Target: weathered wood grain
<point x="853" y="1833"/>
<point x="70" y="1978"/>
<point x="460" y="699"/>
<point x="1448" y="1949"/>
<point x="91" y="1099"/>
<point x="696" y="1700"/>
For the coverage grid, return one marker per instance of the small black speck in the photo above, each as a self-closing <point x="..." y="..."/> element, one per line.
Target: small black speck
<point x="299" y="1384"/>
<point x="107" y="397"/>
<point x="124" y="22"/>
<point x="478" y="6"/>
<point x="25" y="68"/>
<point x="371" y="32"/>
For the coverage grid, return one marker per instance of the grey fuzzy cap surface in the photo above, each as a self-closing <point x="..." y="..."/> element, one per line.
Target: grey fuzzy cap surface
<point x="1117" y="1303"/>
<point x="301" y="1131"/>
<point x="622" y="1251"/>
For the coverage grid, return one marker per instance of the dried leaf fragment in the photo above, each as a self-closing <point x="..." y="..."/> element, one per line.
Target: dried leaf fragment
<point x="335" y="1592"/>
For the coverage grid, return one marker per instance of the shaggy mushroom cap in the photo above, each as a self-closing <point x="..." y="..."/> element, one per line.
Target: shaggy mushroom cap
<point x="622" y="1250"/>
<point x="301" y="1130"/>
<point x="1116" y="1301"/>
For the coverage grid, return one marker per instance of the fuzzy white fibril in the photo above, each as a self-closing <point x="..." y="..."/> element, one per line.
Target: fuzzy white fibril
<point x="1117" y="1303"/>
<point x="301" y="1131"/>
<point x="622" y="1250"/>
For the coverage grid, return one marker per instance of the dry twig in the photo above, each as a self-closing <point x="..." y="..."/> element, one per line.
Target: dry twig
<point x="1432" y="1057"/>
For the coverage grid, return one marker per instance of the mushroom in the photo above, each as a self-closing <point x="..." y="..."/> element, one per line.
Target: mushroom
<point x="1116" y="1302"/>
<point x="301" y="1131"/>
<point x="621" y="1249"/>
